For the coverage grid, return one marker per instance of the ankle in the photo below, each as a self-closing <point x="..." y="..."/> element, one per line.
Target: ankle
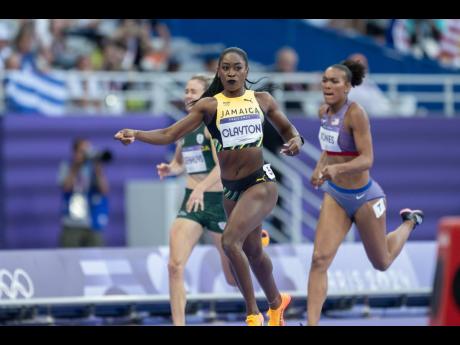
<point x="411" y="223"/>
<point x="275" y="303"/>
<point x="252" y="311"/>
<point x="253" y="314"/>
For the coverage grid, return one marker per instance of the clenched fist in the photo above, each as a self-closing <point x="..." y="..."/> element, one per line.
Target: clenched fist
<point x="126" y="136"/>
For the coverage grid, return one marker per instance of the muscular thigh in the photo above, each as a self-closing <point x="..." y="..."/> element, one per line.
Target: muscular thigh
<point x="183" y="236"/>
<point x="372" y="229"/>
<point x="229" y="205"/>
<point x="253" y="206"/>
<point x="333" y="225"/>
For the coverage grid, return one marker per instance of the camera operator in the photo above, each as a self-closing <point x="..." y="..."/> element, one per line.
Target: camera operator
<point x="84" y="210"/>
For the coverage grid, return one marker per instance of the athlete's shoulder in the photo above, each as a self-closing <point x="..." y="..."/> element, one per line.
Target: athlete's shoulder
<point x="262" y="94"/>
<point x="356" y="109"/>
<point x="206" y="103"/>
<point x="265" y="99"/>
<point x="357" y="115"/>
<point x="207" y="100"/>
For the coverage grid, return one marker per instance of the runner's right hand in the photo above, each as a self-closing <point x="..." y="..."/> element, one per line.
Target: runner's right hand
<point x="163" y="170"/>
<point x="126" y="136"/>
<point x="316" y="179"/>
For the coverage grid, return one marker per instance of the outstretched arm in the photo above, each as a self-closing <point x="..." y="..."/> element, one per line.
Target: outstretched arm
<point x="172" y="133"/>
<point x="292" y="138"/>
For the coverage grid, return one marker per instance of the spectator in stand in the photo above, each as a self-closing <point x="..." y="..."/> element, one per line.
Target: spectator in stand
<point x="419" y="37"/>
<point x="158" y="55"/>
<point x="425" y="36"/>
<point x="113" y="53"/>
<point x="450" y="44"/>
<point x="286" y="62"/>
<point x="374" y="100"/>
<point x="369" y="94"/>
<point x="5" y="48"/>
<point x="143" y="52"/>
<point x="84" y="90"/>
<point x="131" y="35"/>
<point x="25" y="43"/>
<point x="89" y="28"/>
<point x="377" y="28"/>
<point x="211" y="62"/>
<point x="63" y="58"/>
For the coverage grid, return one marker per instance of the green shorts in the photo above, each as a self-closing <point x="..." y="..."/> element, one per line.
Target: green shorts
<point x="212" y="218"/>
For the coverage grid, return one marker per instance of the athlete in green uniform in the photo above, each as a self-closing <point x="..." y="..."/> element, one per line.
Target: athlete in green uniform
<point x="202" y="205"/>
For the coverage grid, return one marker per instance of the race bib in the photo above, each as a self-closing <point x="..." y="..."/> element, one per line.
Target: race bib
<point x="268" y="170"/>
<point x="379" y="208"/>
<point x="194" y="159"/>
<point x="329" y="140"/>
<point x="240" y="130"/>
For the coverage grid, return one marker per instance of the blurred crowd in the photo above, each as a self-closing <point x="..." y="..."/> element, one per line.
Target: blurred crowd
<point x="85" y="44"/>
<point x="145" y="44"/>
<point x="434" y="39"/>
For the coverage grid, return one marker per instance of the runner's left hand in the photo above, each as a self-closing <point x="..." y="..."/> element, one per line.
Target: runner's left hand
<point x="292" y="147"/>
<point x="329" y="172"/>
<point x="195" y="200"/>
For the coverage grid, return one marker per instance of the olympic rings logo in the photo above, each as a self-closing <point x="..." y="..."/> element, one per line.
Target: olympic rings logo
<point x="16" y="284"/>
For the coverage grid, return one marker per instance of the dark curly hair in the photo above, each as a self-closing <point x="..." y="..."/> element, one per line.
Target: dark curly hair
<point x="355" y="71"/>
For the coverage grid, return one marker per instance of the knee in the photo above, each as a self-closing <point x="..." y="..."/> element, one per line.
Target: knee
<point x="381" y="265"/>
<point x="255" y="255"/>
<point x="229" y="244"/>
<point x="175" y="268"/>
<point x="321" y="261"/>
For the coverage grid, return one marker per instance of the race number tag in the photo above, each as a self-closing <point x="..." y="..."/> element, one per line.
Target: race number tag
<point x="268" y="170"/>
<point x="194" y="159"/>
<point x="329" y="140"/>
<point x="240" y="130"/>
<point x="379" y="208"/>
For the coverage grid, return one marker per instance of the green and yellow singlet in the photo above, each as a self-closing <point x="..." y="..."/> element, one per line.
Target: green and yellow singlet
<point x="197" y="153"/>
<point x="238" y="122"/>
